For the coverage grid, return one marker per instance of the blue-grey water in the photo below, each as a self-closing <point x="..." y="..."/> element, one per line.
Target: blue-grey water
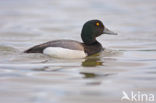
<point x="128" y="63"/>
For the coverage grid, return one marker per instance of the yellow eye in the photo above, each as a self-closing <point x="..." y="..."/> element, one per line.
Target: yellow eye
<point x="97" y="24"/>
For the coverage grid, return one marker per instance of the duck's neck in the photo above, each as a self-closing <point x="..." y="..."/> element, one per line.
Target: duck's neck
<point x="88" y="39"/>
<point x="90" y="42"/>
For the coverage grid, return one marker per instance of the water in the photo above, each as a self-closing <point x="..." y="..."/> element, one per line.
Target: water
<point x="127" y="64"/>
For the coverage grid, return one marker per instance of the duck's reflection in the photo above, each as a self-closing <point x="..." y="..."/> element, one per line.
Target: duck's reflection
<point x="93" y="75"/>
<point x="88" y="75"/>
<point x="92" y="61"/>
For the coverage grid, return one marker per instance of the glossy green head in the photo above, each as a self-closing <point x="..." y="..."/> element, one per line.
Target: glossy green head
<point x="93" y="29"/>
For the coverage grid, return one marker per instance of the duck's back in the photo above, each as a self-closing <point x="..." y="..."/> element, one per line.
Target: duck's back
<point x="60" y="49"/>
<point x="67" y="44"/>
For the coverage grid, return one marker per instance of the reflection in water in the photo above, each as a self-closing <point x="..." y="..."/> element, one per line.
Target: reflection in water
<point x="88" y="75"/>
<point x="94" y="75"/>
<point x="97" y="59"/>
<point x="92" y="61"/>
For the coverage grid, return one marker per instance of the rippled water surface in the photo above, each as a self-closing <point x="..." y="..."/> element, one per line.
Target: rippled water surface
<point x="127" y="64"/>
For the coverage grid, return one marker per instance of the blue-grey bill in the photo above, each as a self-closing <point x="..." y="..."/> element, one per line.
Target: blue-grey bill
<point x="107" y="31"/>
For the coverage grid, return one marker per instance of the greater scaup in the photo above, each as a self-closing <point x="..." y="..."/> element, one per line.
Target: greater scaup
<point x="75" y="49"/>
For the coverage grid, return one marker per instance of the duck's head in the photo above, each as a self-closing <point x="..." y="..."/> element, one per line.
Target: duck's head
<point x="93" y="29"/>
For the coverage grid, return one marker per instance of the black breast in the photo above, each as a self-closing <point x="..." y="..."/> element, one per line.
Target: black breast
<point x="94" y="48"/>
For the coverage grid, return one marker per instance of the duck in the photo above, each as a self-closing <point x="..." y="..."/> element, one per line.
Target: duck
<point x="74" y="49"/>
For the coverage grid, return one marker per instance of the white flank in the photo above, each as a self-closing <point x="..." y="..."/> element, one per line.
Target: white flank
<point x="59" y="52"/>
